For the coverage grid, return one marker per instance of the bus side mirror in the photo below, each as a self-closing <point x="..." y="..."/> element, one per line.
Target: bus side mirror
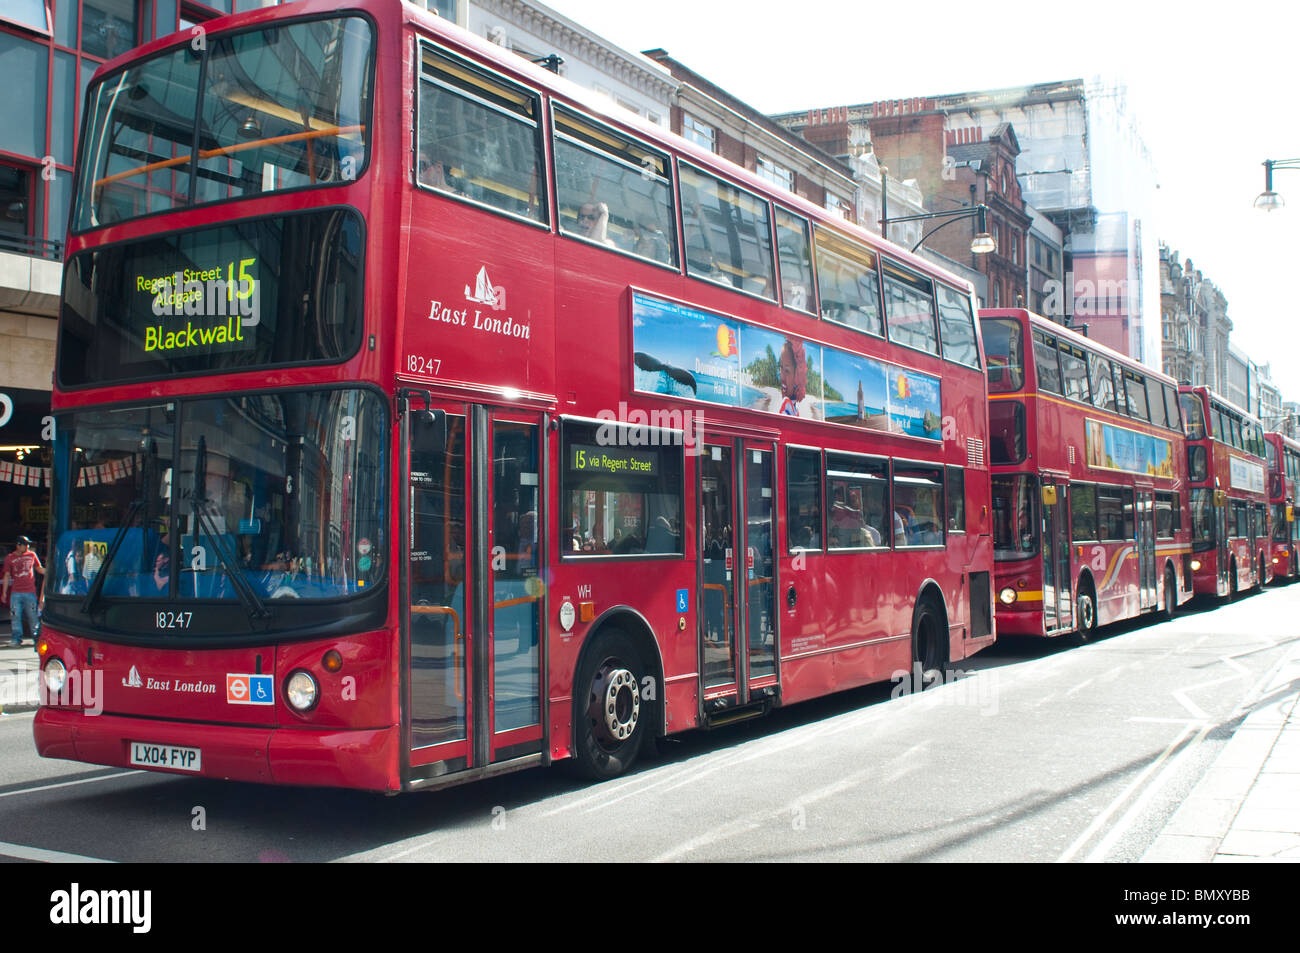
<point x="1290" y="515"/>
<point x="428" y="431"/>
<point x="1049" y="496"/>
<point x="1220" y="497"/>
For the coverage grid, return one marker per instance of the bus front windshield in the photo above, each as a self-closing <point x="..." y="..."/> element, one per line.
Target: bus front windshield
<point x="246" y="113"/>
<point x="1015" y="534"/>
<point x="1004" y="349"/>
<point x="255" y="499"/>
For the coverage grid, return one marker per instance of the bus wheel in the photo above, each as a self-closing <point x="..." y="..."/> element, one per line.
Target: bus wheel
<point x="1171" y="595"/>
<point x="929" y="653"/>
<point x="1232" y="582"/>
<point x="1085" y="628"/>
<point x="1259" y="580"/>
<point x="608" y="712"/>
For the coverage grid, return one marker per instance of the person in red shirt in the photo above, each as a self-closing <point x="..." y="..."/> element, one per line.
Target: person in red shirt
<point x="20" y="569"/>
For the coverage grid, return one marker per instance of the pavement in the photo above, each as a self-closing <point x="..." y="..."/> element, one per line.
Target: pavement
<point x="1246" y="808"/>
<point x="18" y="672"/>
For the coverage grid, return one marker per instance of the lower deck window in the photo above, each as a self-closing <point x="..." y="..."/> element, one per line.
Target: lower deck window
<point x="621" y="491"/>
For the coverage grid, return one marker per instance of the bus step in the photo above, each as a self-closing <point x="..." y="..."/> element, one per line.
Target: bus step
<point x="733" y="715"/>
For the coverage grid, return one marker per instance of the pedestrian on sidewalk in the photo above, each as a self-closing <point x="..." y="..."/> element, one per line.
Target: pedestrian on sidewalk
<point x="20" y="569"/>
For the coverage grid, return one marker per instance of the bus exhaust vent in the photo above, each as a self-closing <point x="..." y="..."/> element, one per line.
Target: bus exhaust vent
<point x="1071" y="449"/>
<point x="974" y="452"/>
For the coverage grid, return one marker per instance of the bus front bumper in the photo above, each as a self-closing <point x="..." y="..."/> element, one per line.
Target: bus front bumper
<point x="364" y="758"/>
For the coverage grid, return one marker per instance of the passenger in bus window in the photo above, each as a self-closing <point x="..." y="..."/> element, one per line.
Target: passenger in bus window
<point x="435" y="174"/>
<point x="593" y="222"/>
<point x="651" y="242"/>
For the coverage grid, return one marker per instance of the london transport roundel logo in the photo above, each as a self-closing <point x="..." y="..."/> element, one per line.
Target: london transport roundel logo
<point x="363" y="546"/>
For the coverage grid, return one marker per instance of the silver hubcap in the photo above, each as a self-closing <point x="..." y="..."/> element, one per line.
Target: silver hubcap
<point x="621" y="704"/>
<point x="1085" y="613"/>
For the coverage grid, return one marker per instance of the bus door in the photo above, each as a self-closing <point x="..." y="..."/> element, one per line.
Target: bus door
<point x="1224" y="519"/>
<point x="1146" y="549"/>
<point x="473" y="559"/>
<point x="1058" y="608"/>
<point x="737" y="631"/>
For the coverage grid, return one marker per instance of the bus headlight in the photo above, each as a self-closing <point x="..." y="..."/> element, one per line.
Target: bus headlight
<point x="1007" y="596"/>
<point x="1275" y="560"/>
<point x="301" y="691"/>
<point x="1196" y="565"/>
<point x="55" y="675"/>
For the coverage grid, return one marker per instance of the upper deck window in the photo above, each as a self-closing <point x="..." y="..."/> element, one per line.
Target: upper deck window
<point x="479" y="138"/>
<point x="794" y="257"/>
<point x="1004" y="347"/>
<point x="280" y="108"/>
<point x="847" y="282"/>
<point x="728" y="238"/>
<point x="957" y="327"/>
<point x="612" y="190"/>
<point x="909" y="310"/>
<point x="1103" y="383"/>
<point x="1049" y="373"/>
<point x="1074" y="372"/>
<point x="1136" y="386"/>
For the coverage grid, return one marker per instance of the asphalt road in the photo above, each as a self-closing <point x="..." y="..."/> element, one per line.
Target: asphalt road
<point x="1040" y="752"/>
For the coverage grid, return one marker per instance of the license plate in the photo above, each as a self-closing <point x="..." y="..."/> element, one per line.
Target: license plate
<point x="145" y="755"/>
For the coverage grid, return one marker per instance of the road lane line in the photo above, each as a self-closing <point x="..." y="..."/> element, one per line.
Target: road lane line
<point x="1100" y="820"/>
<point x="66" y="784"/>
<point x="48" y="856"/>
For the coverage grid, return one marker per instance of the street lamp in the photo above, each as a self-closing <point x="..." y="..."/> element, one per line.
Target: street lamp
<point x="981" y="244"/>
<point x="1268" y="200"/>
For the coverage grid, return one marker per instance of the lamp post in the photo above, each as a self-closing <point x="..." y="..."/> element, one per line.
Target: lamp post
<point x="981" y="244"/>
<point x="1268" y="200"/>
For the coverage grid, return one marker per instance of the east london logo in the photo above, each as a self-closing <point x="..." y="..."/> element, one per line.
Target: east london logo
<point x="102" y="907"/>
<point x="486" y="293"/>
<point x="133" y="680"/>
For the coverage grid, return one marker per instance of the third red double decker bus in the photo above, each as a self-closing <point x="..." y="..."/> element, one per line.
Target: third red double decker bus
<point x="423" y="416"/>
<point x="1229" y="499"/>
<point x="1283" y="455"/>
<point x="1089" y="480"/>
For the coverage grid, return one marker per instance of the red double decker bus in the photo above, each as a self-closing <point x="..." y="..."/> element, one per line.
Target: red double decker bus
<point x="422" y="417"/>
<point x="1089" y="481"/>
<point x="1283" y="458"/>
<point x="1229" y="500"/>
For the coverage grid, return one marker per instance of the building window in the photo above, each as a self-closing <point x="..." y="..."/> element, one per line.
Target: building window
<point x="15" y="207"/>
<point x="700" y="133"/>
<point x="775" y="173"/>
<point x="837" y="206"/>
<point x="29" y="13"/>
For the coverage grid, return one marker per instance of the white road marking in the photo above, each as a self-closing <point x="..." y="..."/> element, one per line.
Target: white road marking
<point x="65" y="784"/>
<point x="48" y="856"/>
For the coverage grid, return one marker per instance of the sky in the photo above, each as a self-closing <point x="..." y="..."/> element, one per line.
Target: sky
<point x="1212" y="87"/>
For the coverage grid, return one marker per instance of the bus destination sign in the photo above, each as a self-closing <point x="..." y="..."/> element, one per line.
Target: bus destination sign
<point x="616" y="461"/>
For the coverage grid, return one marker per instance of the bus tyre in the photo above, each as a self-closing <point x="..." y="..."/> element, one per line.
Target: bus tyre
<point x="610" y="716"/>
<point x="1259" y="580"/>
<point x="929" y="648"/>
<point x="1232" y="581"/>
<point x="1171" y="595"/>
<point x="1085" y="619"/>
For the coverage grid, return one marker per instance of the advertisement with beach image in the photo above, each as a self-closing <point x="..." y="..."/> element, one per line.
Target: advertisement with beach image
<point x="1116" y="448"/>
<point x="684" y="352"/>
<point x="880" y="396"/>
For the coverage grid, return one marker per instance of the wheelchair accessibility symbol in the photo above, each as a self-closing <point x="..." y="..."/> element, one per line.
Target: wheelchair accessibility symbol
<point x="683" y="598"/>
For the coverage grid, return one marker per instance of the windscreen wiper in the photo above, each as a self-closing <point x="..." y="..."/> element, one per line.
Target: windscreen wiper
<point x="198" y="502"/>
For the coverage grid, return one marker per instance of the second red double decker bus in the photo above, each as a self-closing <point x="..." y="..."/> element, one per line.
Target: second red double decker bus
<point x="1229" y="496"/>
<point x="1089" y="480"/>
<point x="1283" y="455"/>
